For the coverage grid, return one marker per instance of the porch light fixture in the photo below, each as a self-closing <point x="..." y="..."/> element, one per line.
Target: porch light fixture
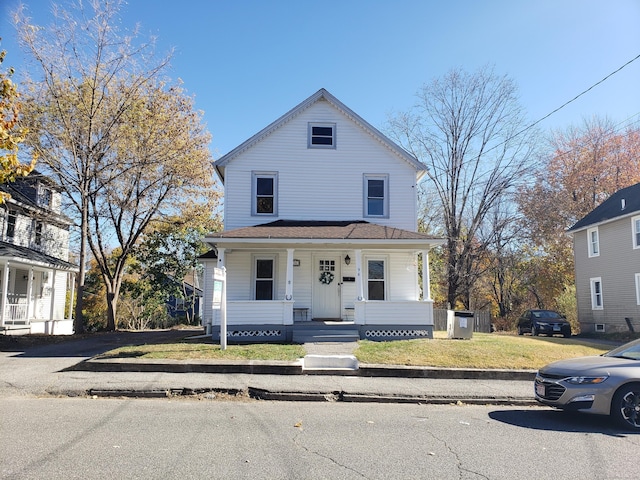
<point x="347" y="260"/>
<point x="296" y="262"/>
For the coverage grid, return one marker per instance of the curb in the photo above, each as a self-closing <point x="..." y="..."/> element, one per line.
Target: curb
<point x="257" y="367"/>
<point x="291" y="396"/>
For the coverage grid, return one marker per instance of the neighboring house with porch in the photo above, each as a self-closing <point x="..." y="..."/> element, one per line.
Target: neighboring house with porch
<point x="320" y="224"/>
<point x="35" y="273"/>
<point x="606" y="249"/>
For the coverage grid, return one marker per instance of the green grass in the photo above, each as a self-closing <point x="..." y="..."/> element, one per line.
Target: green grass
<point x="200" y="351"/>
<point x="481" y="351"/>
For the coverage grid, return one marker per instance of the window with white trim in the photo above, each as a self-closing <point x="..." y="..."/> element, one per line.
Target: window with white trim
<point x="376" y="195"/>
<point x="375" y="280"/>
<point x="635" y="227"/>
<point x="264" y="193"/>
<point x="596" y="294"/>
<point x="264" y="278"/>
<point x="322" y="135"/>
<point x="593" y="238"/>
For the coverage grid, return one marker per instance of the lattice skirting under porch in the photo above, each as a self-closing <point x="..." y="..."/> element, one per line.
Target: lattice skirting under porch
<point x="386" y="332"/>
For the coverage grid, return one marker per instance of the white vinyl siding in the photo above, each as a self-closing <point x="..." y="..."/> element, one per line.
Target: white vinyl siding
<point x="596" y="293"/>
<point x="320" y="184"/>
<point x="594" y="242"/>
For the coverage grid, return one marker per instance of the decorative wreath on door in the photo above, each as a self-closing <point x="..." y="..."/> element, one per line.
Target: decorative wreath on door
<point x="326" y="278"/>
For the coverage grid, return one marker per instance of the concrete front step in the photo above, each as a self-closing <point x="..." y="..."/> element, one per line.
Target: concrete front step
<point x="325" y="337"/>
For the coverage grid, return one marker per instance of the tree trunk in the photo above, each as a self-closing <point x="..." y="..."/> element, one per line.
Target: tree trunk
<point x="112" y="308"/>
<point x="78" y="321"/>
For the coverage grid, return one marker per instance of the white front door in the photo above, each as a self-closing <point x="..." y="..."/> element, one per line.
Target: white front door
<point x="326" y="287"/>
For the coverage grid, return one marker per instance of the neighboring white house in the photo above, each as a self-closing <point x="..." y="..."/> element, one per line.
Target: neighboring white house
<point x="34" y="269"/>
<point x="320" y="223"/>
<point x="606" y="248"/>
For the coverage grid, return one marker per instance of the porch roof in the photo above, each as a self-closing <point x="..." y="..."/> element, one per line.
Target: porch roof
<point x="355" y="232"/>
<point x="16" y="253"/>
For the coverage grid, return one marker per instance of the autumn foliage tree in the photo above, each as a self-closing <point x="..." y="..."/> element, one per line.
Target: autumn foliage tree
<point x="125" y="143"/>
<point x="11" y="135"/>
<point x="587" y="165"/>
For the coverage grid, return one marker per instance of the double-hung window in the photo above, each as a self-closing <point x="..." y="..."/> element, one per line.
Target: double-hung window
<point x="375" y="279"/>
<point x="594" y="242"/>
<point x="322" y="135"/>
<point x="635" y="227"/>
<point x="596" y="294"/>
<point x="264" y="193"/>
<point x="264" y="278"/>
<point x="376" y="195"/>
<point x="12" y="215"/>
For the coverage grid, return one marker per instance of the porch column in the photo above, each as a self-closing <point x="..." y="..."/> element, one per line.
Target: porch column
<point x="29" y="293"/>
<point x="426" y="281"/>
<point x="5" y="290"/>
<point x="221" y="257"/>
<point x="71" y="278"/>
<point x="359" y="282"/>
<point x="53" y="294"/>
<point x="289" y="286"/>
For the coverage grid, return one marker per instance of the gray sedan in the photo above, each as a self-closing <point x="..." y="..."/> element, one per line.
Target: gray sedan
<point x="608" y="384"/>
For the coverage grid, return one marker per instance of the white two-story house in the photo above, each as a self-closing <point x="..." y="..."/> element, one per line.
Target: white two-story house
<point x="35" y="273"/>
<point x="606" y="249"/>
<point x="320" y="224"/>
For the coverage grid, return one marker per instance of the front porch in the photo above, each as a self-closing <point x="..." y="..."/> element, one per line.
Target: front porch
<point x="273" y="321"/>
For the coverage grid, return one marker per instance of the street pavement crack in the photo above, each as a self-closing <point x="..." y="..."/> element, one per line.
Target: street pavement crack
<point x="326" y="457"/>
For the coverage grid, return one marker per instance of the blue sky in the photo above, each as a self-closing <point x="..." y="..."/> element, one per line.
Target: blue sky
<point x="248" y="62"/>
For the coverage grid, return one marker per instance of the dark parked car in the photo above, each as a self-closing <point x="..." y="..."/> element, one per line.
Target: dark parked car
<point x="545" y="322"/>
<point x="608" y="384"/>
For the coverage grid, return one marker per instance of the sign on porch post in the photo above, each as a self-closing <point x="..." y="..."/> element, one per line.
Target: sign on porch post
<point x="220" y="302"/>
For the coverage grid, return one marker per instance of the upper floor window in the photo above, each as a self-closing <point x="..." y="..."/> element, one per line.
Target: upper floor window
<point x="635" y="226"/>
<point x="265" y="194"/>
<point x="376" y="197"/>
<point x="38" y="233"/>
<point x="322" y="135"/>
<point x="596" y="294"/>
<point x="11" y="223"/>
<point x="45" y="196"/>
<point x="637" y="288"/>
<point x="594" y="242"/>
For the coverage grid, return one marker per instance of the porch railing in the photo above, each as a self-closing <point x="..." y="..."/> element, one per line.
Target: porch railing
<point x="16" y="314"/>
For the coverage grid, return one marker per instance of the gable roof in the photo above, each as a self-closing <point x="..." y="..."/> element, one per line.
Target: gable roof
<point x="334" y="232"/>
<point x="623" y="203"/>
<point x="321" y="94"/>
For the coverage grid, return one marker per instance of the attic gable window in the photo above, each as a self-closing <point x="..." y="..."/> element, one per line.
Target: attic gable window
<point x="322" y="135"/>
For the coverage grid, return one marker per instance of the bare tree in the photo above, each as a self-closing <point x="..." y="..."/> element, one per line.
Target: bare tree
<point x="471" y="133"/>
<point x="97" y="106"/>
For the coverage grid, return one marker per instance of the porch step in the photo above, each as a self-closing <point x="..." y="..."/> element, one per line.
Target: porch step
<point x="315" y="332"/>
<point x="15" y="329"/>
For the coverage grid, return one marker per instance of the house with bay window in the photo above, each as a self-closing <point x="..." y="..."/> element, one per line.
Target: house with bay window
<point x="35" y="274"/>
<point x="320" y="228"/>
<point x="606" y="249"/>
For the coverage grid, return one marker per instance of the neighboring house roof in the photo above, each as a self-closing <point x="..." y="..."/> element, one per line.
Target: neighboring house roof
<point x="321" y="94"/>
<point x="27" y="255"/>
<point x="623" y="203"/>
<point x="298" y="231"/>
